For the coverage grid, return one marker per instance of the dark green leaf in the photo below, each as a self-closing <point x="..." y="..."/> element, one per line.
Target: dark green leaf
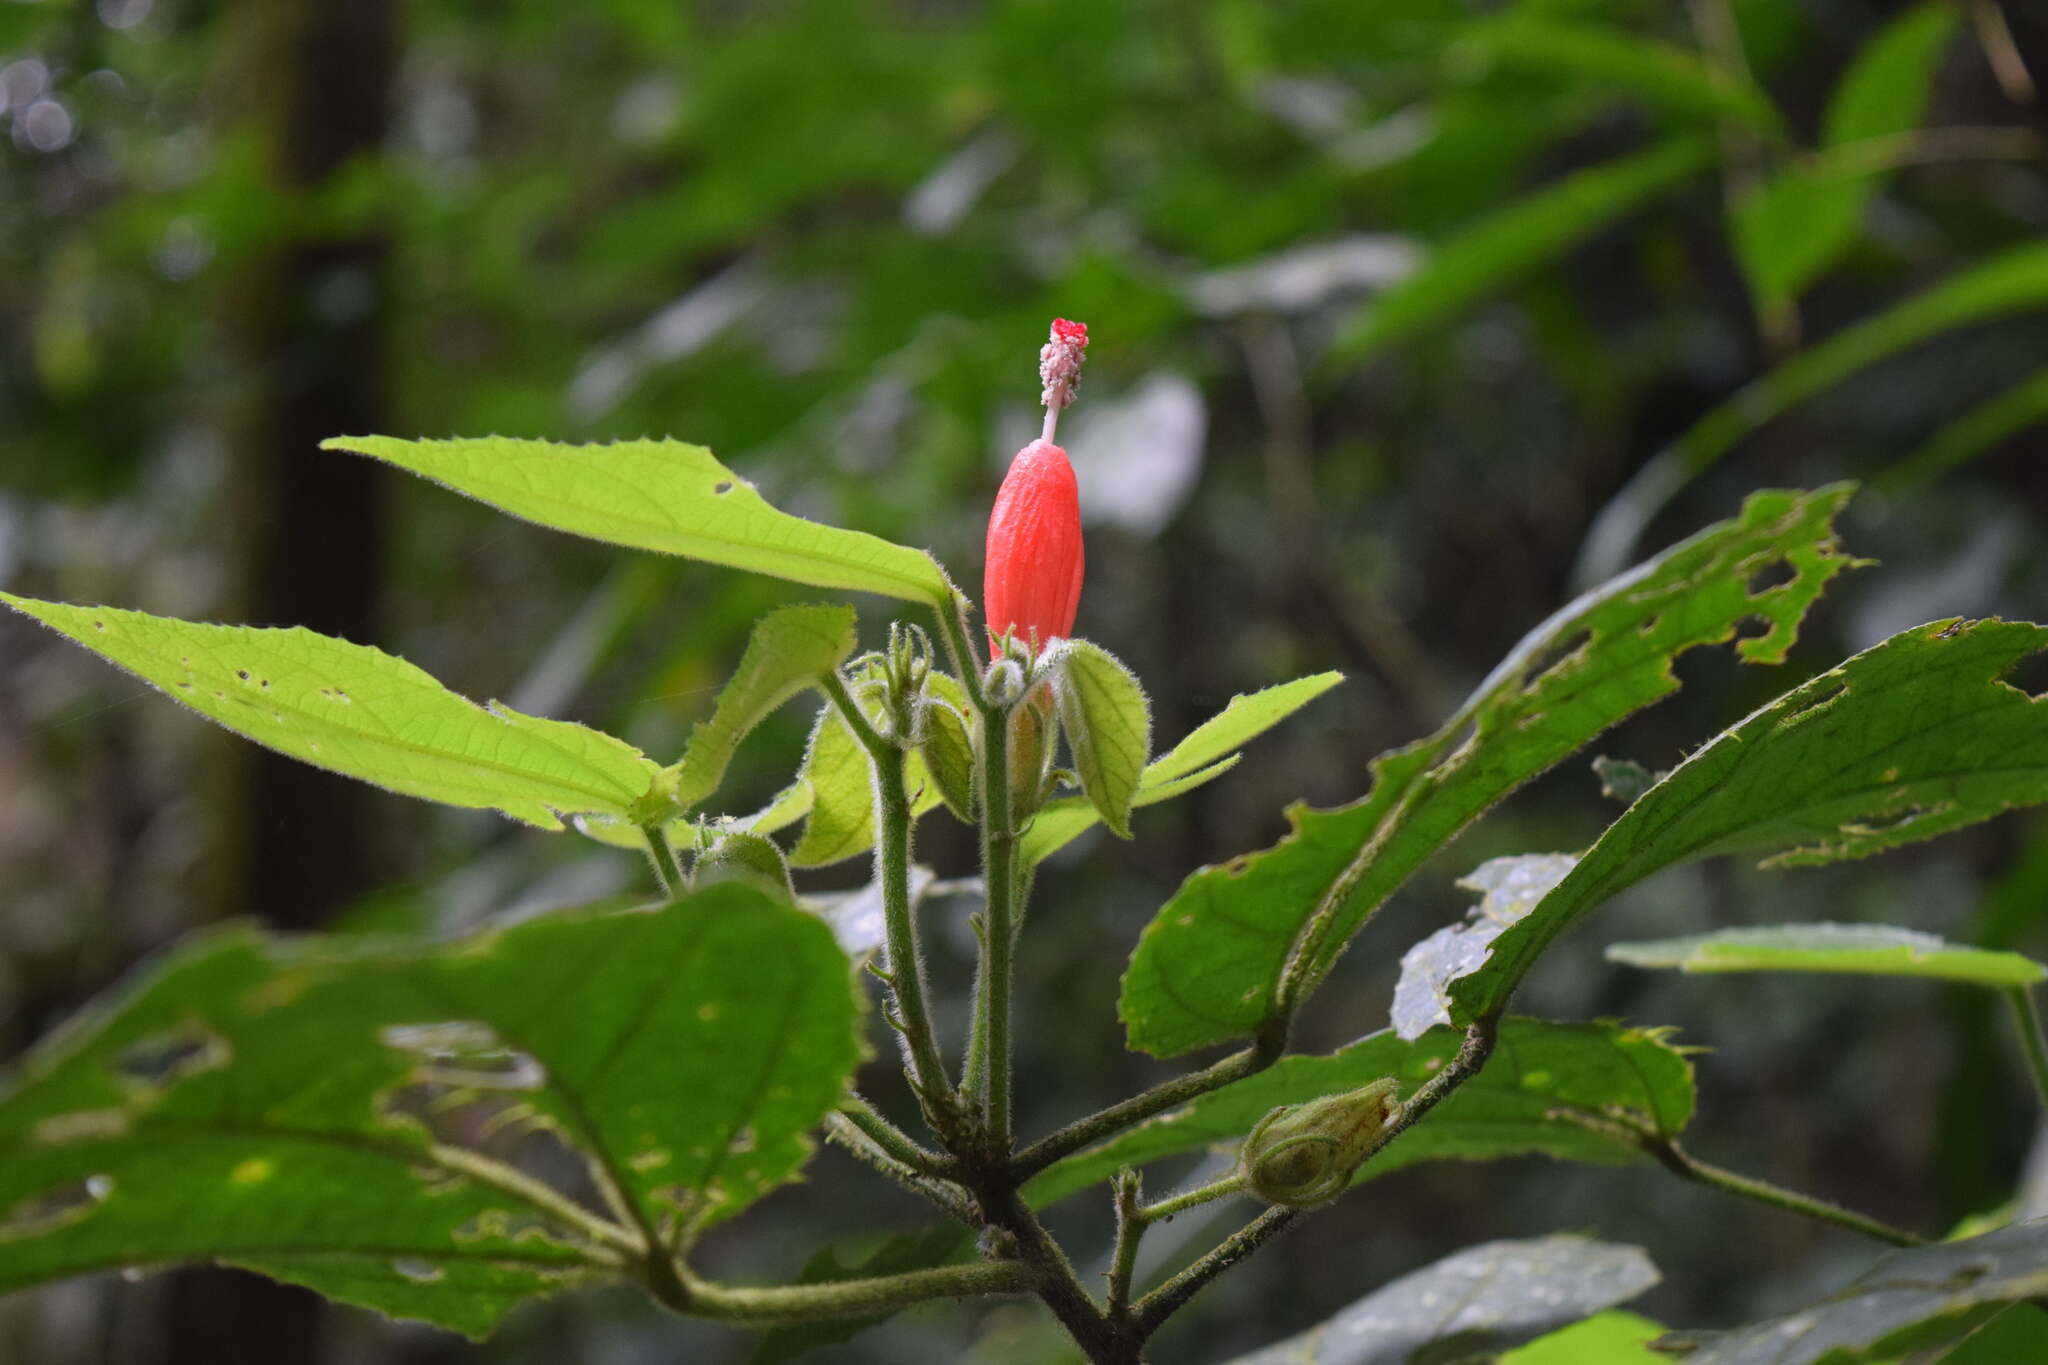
<point x="1913" y="738"/>
<point x="1472" y="1303"/>
<point x="376" y="1122"/>
<point x="1538" y="1072"/>
<point x="1209" y="964"/>
<point x="667" y="496"/>
<point x="1909" y="1301"/>
<point x="360" y="712"/>
<point x="1864" y="949"/>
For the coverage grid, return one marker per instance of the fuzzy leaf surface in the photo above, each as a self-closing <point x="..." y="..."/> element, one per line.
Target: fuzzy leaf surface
<point x="1538" y="1070"/>
<point x="318" y="1112"/>
<point x="1108" y="724"/>
<point x="360" y="712"/>
<point x="1210" y="964"/>
<point x="1914" y="737"/>
<point x="667" y="496"/>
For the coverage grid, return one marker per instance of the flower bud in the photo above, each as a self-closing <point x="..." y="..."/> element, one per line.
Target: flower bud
<point x="1301" y="1155"/>
<point x="1031" y="586"/>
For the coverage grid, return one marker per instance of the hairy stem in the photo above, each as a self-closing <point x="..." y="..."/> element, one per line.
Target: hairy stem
<point x="666" y="870"/>
<point x="844" y="1131"/>
<point x="1680" y="1163"/>
<point x="892" y="870"/>
<point x="1188" y="1199"/>
<point x="2026" y="1021"/>
<point x="1130" y="1230"/>
<point x="692" y="1297"/>
<point x="1121" y="1115"/>
<point x="998" y="936"/>
<point x="890" y="1138"/>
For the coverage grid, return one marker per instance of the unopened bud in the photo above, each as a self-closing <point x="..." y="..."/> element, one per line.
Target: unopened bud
<point x="1301" y="1155"/>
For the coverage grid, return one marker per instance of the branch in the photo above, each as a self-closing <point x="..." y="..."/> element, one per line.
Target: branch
<point x="848" y="1134"/>
<point x="1678" y="1162"/>
<point x="1117" y="1117"/>
<point x="688" y="1295"/>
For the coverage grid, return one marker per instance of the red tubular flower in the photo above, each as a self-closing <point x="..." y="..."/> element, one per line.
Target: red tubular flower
<point x="1031" y="585"/>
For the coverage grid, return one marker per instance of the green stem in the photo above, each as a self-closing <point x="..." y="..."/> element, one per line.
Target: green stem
<point x="999" y="936"/>
<point x="1130" y="1230"/>
<point x="839" y="1298"/>
<point x="2026" y="1021"/>
<point x="1117" y="1117"/>
<point x="1163" y="1302"/>
<point x="947" y="1197"/>
<point x="666" y="870"/>
<point x="966" y="663"/>
<point x="1682" y="1164"/>
<point x="1187" y="1199"/>
<point x="892" y="870"/>
<point x="890" y="1138"/>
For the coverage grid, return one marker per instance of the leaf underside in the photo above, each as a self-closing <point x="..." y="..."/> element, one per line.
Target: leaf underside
<point x="1861" y="949"/>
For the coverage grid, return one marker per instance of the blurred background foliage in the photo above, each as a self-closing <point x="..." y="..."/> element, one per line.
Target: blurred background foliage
<point x="1389" y="301"/>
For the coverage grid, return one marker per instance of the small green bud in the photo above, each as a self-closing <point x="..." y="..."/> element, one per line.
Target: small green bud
<point x="1301" y="1155"/>
<point x="749" y="860"/>
<point x="1003" y="682"/>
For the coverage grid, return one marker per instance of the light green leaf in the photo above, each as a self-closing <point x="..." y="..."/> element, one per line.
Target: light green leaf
<point x="1662" y="75"/>
<point x="2023" y="405"/>
<point x="790" y="649"/>
<point x="1862" y="949"/>
<point x="1797" y="224"/>
<point x="840" y="821"/>
<point x="2011" y="282"/>
<point x="1515" y="1106"/>
<point x="1493" y="253"/>
<point x="1912" y="1300"/>
<point x="1611" y="1338"/>
<point x="1472" y="1303"/>
<point x="1210" y="963"/>
<point x="377" y="1122"/>
<point x="360" y="712"/>
<point x="667" y="496"/>
<point x="1207" y="752"/>
<point x="1108" y="724"/>
<point x="1912" y="738"/>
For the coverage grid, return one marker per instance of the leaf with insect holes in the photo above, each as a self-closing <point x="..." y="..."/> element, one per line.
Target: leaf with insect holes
<point x="667" y="496"/>
<point x="1209" y="966"/>
<point x="1858" y="949"/>
<point x="429" y="1130"/>
<point x="358" y="711"/>
<point x="1520" y="1103"/>
<point x="1108" y="724"/>
<point x="1912" y="738"/>
<point x="790" y="650"/>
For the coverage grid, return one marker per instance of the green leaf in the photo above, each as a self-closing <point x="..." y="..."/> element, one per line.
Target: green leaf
<point x="1795" y="225"/>
<point x="1207" y="752"/>
<point x="1911" y="1300"/>
<point x="358" y="711"/>
<point x="1662" y="75"/>
<point x="840" y="821"/>
<point x="1210" y="963"/>
<point x="935" y="1246"/>
<point x="1493" y="253"/>
<point x="1912" y="738"/>
<point x="1108" y="724"/>
<point x="790" y="649"/>
<point x="2023" y="405"/>
<point x="1862" y="949"/>
<point x="1472" y="1304"/>
<point x="667" y="496"/>
<point x="1510" y="889"/>
<point x="2011" y="282"/>
<point x="1611" y="1338"/>
<point x="2018" y="1333"/>
<point x="1515" y="1106"/>
<point x="376" y="1122"/>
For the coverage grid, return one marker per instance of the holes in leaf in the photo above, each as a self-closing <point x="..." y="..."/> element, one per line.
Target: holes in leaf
<point x="721" y="488"/>
<point x="417" y="1269"/>
<point x="466" y="1054"/>
<point x="2029" y="675"/>
<point x="99" y="625"/>
<point x="1771" y="577"/>
<point x="1893" y="822"/>
<point x="1820" y="702"/>
<point x="57" y="1208"/>
<point x="242" y="673"/>
<point x="1754" y="627"/>
<point x="158" y="1062"/>
<point x="1551" y="657"/>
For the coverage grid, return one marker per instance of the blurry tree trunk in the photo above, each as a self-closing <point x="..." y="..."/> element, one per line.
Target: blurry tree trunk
<point x="304" y="535"/>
